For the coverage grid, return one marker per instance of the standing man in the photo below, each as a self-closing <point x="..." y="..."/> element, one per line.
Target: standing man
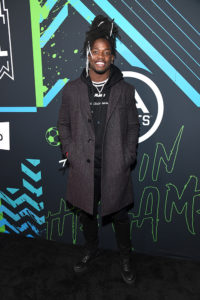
<point x="98" y="126"/>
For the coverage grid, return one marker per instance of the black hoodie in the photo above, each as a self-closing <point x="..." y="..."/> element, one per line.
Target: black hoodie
<point x="98" y="106"/>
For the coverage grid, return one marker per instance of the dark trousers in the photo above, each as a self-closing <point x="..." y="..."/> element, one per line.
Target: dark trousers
<point x="120" y="220"/>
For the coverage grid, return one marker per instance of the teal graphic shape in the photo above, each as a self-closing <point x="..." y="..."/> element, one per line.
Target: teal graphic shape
<point x="121" y="48"/>
<point x="183" y="17"/>
<point x="35" y="176"/>
<point x="177" y="25"/>
<point x="54" y="26"/>
<point x="54" y="91"/>
<point x="15" y="217"/>
<point x="166" y="31"/>
<point x="161" y="62"/>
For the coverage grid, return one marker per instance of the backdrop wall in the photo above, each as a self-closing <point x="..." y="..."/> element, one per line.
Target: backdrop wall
<point x="40" y="51"/>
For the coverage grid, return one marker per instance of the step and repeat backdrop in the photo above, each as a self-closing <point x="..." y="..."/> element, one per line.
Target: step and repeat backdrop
<point x="40" y="52"/>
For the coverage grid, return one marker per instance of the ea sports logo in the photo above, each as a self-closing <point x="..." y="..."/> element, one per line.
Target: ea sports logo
<point x="149" y="103"/>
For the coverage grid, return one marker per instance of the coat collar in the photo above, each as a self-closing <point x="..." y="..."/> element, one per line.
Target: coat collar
<point x="113" y="99"/>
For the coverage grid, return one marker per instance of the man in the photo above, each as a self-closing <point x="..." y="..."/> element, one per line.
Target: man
<point x="98" y="127"/>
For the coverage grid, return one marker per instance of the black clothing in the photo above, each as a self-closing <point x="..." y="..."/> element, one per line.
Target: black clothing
<point x="98" y="106"/>
<point x="90" y="223"/>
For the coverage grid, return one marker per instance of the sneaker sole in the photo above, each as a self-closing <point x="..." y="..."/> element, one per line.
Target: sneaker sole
<point x="128" y="281"/>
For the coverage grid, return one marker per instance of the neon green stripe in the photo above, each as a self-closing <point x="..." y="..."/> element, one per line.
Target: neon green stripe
<point x="35" y="10"/>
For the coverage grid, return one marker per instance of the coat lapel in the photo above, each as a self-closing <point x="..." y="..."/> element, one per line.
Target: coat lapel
<point x="84" y="99"/>
<point x="113" y="100"/>
<point x="84" y="102"/>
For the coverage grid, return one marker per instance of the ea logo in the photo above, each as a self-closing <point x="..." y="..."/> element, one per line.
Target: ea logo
<point x="149" y="115"/>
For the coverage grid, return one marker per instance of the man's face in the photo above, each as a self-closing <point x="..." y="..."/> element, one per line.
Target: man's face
<point x="100" y="57"/>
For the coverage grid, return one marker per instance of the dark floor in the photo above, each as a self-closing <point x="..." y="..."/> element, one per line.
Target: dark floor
<point x="39" y="269"/>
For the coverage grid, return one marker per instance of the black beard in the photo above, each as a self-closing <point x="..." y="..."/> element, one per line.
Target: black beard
<point x="101" y="72"/>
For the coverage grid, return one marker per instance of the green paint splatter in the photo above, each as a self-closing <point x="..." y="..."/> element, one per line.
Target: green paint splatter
<point x="55" y="10"/>
<point x="45" y="11"/>
<point x="58" y="73"/>
<point x="44" y="88"/>
<point x="54" y="55"/>
<point x="76" y="51"/>
<point x="52" y="45"/>
<point x="65" y="80"/>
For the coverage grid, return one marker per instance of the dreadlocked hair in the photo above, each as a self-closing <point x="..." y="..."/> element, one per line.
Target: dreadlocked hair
<point x="104" y="28"/>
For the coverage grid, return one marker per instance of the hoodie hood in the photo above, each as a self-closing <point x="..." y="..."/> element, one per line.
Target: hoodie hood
<point x="115" y="76"/>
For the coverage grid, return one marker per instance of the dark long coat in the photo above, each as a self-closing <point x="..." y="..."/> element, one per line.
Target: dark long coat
<point x="120" y="139"/>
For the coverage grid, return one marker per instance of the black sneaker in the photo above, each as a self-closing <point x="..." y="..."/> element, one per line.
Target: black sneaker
<point x="82" y="265"/>
<point x="127" y="271"/>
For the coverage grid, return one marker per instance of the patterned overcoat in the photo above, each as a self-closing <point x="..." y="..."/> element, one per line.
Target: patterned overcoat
<point x="76" y="130"/>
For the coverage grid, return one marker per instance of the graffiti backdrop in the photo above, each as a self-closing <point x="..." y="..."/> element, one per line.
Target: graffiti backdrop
<point x="40" y="51"/>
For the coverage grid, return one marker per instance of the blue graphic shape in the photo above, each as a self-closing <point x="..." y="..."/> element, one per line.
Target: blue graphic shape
<point x="175" y="24"/>
<point x="25" y="212"/>
<point x="129" y="56"/>
<point x="6" y="223"/>
<point x="34" y="162"/>
<point x="12" y="190"/>
<point x="35" y="176"/>
<point x="22" y="199"/>
<point x="9" y="213"/>
<point x="28" y="212"/>
<point x="82" y="10"/>
<point x="32" y="189"/>
<point x="121" y="48"/>
<point x="20" y="228"/>
<point x="49" y="5"/>
<point x="12" y="207"/>
<point x="18" y="109"/>
<point x="27" y="225"/>
<point x="161" y="40"/>
<point x="2" y="222"/>
<point x="168" y="33"/>
<point x="183" y="17"/>
<point x="162" y="63"/>
<point x="54" y="91"/>
<point x="59" y="19"/>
